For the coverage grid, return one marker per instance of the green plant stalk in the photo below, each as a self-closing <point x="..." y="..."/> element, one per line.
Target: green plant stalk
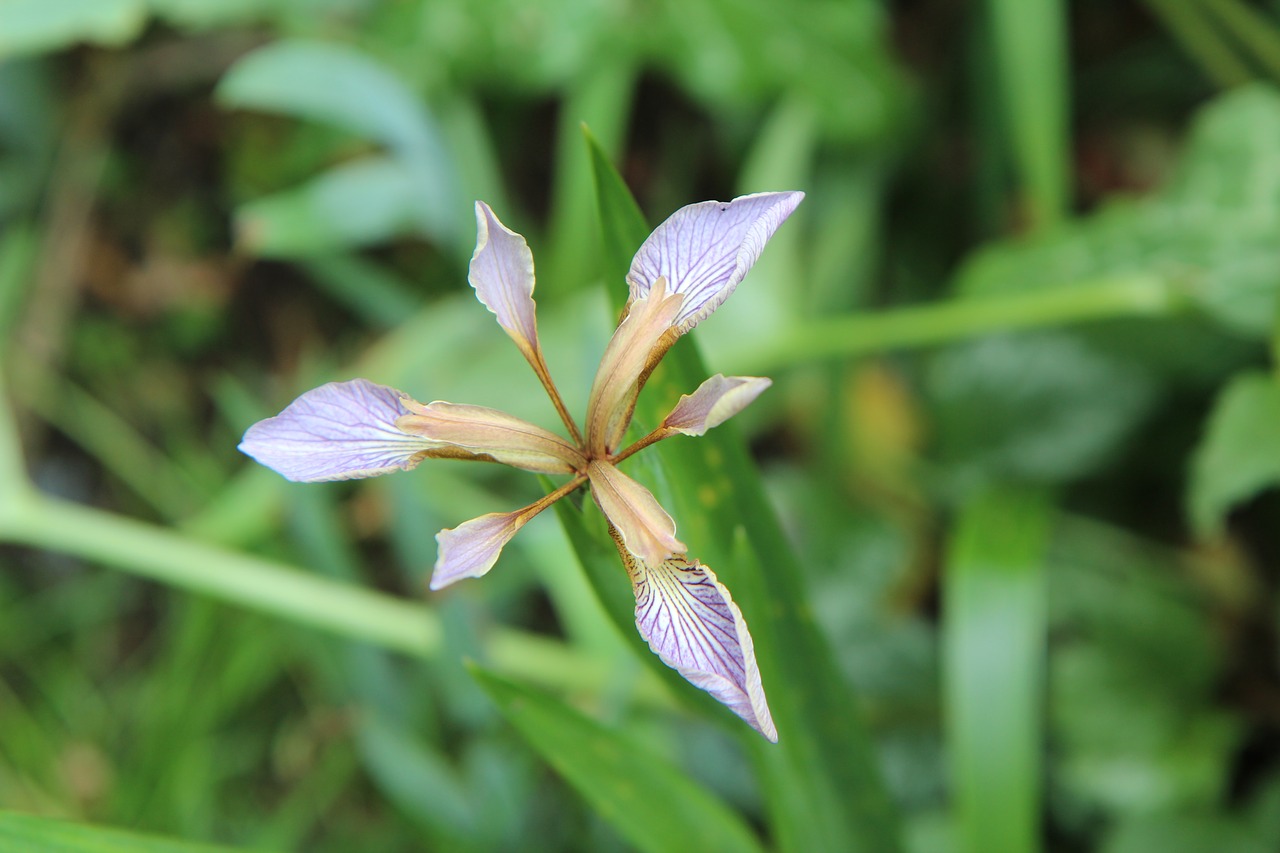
<point x="1029" y="45"/>
<point x="994" y="636"/>
<point x="1111" y="297"/>
<point x="1251" y="28"/>
<point x="1186" y="23"/>
<point x="156" y="554"/>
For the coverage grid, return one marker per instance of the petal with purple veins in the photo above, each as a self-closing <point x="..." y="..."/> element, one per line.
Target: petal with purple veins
<point x="716" y="400"/>
<point x="704" y="250"/>
<point x="689" y="620"/>
<point x="339" y="431"/>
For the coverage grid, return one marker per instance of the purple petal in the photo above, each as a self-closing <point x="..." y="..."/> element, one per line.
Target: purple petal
<point x="470" y="549"/>
<point x="689" y="620"/>
<point x="706" y="249"/>
<point x="339" y="431"/>
<point x="502" y="274"/>
<point x="715" y="401"/>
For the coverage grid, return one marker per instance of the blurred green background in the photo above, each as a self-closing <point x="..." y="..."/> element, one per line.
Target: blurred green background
<point x="1004" y="527"/>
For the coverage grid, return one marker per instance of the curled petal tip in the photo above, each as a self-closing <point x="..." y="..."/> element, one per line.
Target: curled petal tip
<point x="705" y="250"/>
<point x="339" y="431"/>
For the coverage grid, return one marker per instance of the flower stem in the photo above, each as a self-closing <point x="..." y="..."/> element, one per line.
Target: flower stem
<point x="652" y="438"/>
<point x="544" y="376"/>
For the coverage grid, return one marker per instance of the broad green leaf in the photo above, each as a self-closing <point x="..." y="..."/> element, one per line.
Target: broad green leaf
<point x="647" y="800"/>
<point x="1239" y="455"/>
<point x="36" y="26"/>
<point x="341" y="86"/>
<point x="1044" y="407"/>
<point x="1211" y="230"/>
<point x="28" y="832"/>
<point x="820" y="780"/>
<point x="994" y="645"/>
<point x="356" y="204"/>
<point x="1136" y="721"/>
<point x="333" y="84"/>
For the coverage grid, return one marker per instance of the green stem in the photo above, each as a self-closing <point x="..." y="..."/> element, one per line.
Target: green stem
<point x="1136" y="295"/>
<point x="14" y="485"/>
<point x="350" y="611"/>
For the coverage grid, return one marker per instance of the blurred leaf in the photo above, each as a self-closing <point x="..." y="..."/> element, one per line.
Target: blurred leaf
<point x="819" y="781"/>
<point x="650" y="802"/>
<point x="994" y="636"/>
<point x="418" y="780"/>
<point x="340" y="86"/>
<point x="1239" y="455"/>
<point x="1135" y="712"/>
<point x="1030" y="46"/>
<point x="1044" y="407"/>
<point x="1212" y="228"/>
<point x="36" y="26"/>
<point x="1178" y="832"/>
<point x="356" y="204"/>
<point x="28" y="832"/>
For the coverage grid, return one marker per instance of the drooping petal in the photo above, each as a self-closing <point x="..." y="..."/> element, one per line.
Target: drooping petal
<point x="637" y="345"/>
<point x="646" y="529"/>
<point x="339" y="431"/>
<point x="495" y="434"/>
<point x="689" y="620"/>
<point x="716" y="400"/>
<point x="502" y="274"/>
<point x="704" y="250"/>
<point x="470" y="549"/>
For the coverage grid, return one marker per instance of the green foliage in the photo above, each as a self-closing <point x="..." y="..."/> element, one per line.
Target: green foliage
<point x="651" y="803"/>
<point x="1239" y="455"/>
<point x="1019" y="268"/>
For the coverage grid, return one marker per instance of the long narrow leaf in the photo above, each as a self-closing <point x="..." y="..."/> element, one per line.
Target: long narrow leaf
<point x="994" y="646"/>
<point x="647" y="800"/>
<point x="714" y="490"/>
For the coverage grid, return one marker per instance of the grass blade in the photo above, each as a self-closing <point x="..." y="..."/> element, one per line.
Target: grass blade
<point x="994" y="642"/>
<point x="648" y="801"/>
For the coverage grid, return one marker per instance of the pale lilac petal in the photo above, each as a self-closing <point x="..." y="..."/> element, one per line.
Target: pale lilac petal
<point x="502" y="274"/>
<point x="715" y="401"/>
<point x="637" y="345"/>
<point x="704" y="250"/>
<point x="689" y="620"/>
<point x="497" y="435"/>
<point x="339" y="431"/>
<point x="646" y="529"/>
<point x="470" y="549"/>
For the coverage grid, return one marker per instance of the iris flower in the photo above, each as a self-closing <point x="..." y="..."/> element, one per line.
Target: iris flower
<point x="683" y="272"/>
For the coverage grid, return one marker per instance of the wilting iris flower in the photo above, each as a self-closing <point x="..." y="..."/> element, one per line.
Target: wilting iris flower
<point x="682" y="273"/>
